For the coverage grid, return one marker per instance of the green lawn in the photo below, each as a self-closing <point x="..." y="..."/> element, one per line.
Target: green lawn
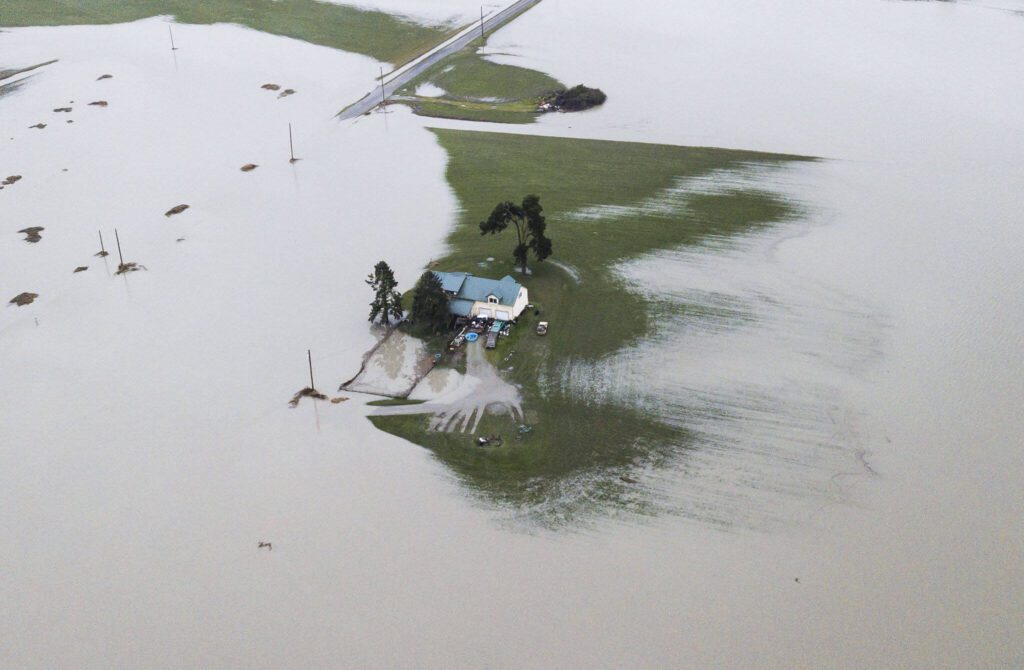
<point x="577" y="438"/>
<point x="478" y="90"/>
<point x="376" y="34"/>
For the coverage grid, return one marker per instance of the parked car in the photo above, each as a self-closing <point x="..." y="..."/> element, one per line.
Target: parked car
<point x="542" y="328"/>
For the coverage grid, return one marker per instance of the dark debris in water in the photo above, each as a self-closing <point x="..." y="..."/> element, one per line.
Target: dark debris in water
<point x="177" y="209"/>
<point x="308" y="392"/>
<point x="32" y="234"/>
<point x="81" y="268"/>
<point x="23" y="299"/>
<point x="125" y="268"/>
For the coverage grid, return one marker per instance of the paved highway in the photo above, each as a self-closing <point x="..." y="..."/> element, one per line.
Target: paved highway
<point x="422" y="63"/>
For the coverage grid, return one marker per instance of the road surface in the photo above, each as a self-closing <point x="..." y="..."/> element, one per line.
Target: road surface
<point x="417" y="67"/>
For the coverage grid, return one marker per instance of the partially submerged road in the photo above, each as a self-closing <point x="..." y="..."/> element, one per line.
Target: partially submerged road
<point x="420" y="65"/>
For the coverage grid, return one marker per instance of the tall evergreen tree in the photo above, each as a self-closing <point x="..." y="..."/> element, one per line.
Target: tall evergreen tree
<point x="529" y="224"/>
<point x="430" y="304"/>
<point x="387" y="302"/>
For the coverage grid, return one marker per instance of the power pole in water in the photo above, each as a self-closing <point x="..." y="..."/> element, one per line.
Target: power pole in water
<point x="102" y="248"/>
<point x="171" y="33"/>
<point x="383" y="97"/>
<point x="291" y="145"/>
<point x="481" y="26"/>
<point x="309" y="355"/>
<point x="118" y="238"/>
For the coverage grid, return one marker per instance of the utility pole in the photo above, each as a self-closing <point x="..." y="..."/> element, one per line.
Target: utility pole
<point x="383" y="97"/>
<point x="309" y="355"/>
<point x="118" y="238"/>
<point x="171" y="33"/>
<point x="103" y="250"/>
<point x="291" y="144"/>
<point x="481" y="26"/>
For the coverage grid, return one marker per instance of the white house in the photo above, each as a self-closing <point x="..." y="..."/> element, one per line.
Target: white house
<point x="503" y="299"/>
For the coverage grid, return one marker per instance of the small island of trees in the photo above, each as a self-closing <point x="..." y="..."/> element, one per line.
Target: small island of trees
<point x="575" y="99"/>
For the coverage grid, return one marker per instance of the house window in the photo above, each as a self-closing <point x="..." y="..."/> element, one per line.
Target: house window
<point x="491" y="299"/>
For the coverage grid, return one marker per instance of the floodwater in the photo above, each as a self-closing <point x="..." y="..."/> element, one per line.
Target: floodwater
<point x="855" y="497"/>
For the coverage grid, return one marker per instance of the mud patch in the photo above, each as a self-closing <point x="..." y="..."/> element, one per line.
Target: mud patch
<point x="308" y="392"/>
<point x="249" y="167"/>
<point x="393" y="367"/>
<point x="286" y="92"/>
<point x="10" y="180"/>
<point x="62" y="109"/>
<point x="104" y="76"/>
<point x="80" y="268"/>
<point x="40" y="126"/>
<point x="23" y="299"/>
<point x="270" y="87"/>
<point x="99" y="103"/>
<point x="177" y="209"/>
<point x="32" y="234"/>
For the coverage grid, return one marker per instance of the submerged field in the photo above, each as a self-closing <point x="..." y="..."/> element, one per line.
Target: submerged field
<point x="372" y="33"/>
<point x="606" y="202"/>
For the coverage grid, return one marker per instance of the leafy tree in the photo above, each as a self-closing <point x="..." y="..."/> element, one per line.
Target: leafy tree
<point x="387" y="302"/>
<point x="529" y="224"/>
<point x="578" y="98"/>
<point x="429" y="303"/>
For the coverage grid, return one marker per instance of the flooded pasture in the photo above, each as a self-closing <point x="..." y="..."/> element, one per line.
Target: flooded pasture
<point x="852" y="378"/>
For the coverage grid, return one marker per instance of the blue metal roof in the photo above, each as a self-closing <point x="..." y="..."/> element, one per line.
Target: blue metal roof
<point x="460" y="307"/>
<point x="451" y="282"/>
<point x="467" y="287"/>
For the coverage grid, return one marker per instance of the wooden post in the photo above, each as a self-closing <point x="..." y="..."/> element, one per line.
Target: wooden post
<point x="291" y="145"/>
<point x="481" y="26"/>
<point x="118" y="238"/>
<point x="102" y="248"/>
<point x="171" y="33"/>
<point x="309" y="355"/>
<point x="383" y="98"/>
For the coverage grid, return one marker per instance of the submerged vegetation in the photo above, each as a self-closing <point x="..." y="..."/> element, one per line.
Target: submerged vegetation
<point x="567" y="436"/>
<point x="373" y="33"/>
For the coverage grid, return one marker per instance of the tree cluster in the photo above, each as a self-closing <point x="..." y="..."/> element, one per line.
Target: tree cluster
<point x="578" y="98"/>
<point x="387" y="301"/>
<point x="430" y="304"/>
<point x="530" y="226"/>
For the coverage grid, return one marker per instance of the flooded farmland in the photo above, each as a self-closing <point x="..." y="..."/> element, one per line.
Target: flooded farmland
<point x="850" y="379"/>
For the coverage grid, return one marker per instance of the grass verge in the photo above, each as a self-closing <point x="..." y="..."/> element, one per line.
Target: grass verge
<point x="373" y="33"/>
<point x="577" y="442"/>
<point x="476" y="89"/>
